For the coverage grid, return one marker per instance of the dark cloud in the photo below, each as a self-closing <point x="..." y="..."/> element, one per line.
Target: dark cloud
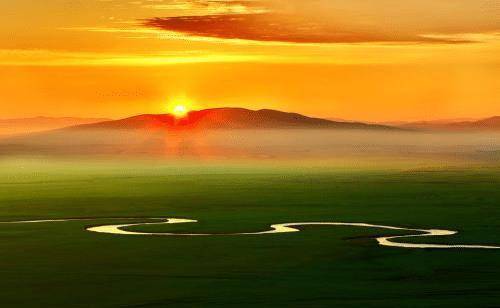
<point x="279" y="28"/>
<point x="338" y="21"/>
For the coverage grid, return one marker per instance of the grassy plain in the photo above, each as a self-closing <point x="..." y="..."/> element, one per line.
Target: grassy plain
<point x="60" y="264"/>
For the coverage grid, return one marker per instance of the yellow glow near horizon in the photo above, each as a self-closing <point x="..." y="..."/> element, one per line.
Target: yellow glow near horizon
<point x="180" y="111"/>
<point x="180" y="107"/>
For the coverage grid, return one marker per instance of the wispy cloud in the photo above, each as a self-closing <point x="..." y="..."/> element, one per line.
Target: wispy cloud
<point x="205" y="7"/>
<point x="23" y="57"/>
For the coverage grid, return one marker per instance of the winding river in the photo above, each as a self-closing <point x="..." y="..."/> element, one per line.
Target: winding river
<point x="391" y="241"/>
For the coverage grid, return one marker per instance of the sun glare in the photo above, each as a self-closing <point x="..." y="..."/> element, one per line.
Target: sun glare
<point x="179" y="111"/>
<point x="180" y="106"/>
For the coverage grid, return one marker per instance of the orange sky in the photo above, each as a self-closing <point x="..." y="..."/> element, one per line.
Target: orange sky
<point x="354" y="59"/>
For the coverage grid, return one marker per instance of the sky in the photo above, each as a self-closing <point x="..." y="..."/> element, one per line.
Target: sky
<point x="383" y="60"/>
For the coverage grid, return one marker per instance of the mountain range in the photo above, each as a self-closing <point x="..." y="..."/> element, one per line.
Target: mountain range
<point x="240" y="118"/>
<point x="236" y="132"/>
<point x="231" y="118"/>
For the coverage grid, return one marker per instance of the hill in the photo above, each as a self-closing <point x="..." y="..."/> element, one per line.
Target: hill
<point x="222" y="132"/>
<point x="488" y="124"/>
<point x="492" y="123"/>
<point x="227" y="118"/>
<point x="36" y="124"/>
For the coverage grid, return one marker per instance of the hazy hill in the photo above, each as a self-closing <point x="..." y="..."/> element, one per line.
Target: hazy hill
<point x="227" y="132"/>
<point x="241" y="134"/>
<point x="36" y="124"/>
<point x="488" y="124"/>
<point x="228" y="118"/>
<point x="492" y="123"/>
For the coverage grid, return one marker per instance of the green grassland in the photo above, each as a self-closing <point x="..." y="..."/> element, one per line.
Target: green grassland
<point x="62" y="265"/>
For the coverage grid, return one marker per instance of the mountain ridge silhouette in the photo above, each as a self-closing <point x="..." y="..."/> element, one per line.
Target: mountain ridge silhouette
<point x="228" y="118"/>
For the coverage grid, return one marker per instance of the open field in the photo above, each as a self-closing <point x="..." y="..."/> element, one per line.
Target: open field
<point x="61" y="264"/>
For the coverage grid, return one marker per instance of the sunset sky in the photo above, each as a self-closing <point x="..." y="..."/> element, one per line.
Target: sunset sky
<point x="383" y="60"/>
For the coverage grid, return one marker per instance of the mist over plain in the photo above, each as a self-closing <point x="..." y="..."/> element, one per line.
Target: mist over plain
<point x="272" y="145"/>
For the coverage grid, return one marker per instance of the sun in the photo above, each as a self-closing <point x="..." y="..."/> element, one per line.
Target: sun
<point x="180" y="111"/>
<point x="180" y="106"/>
